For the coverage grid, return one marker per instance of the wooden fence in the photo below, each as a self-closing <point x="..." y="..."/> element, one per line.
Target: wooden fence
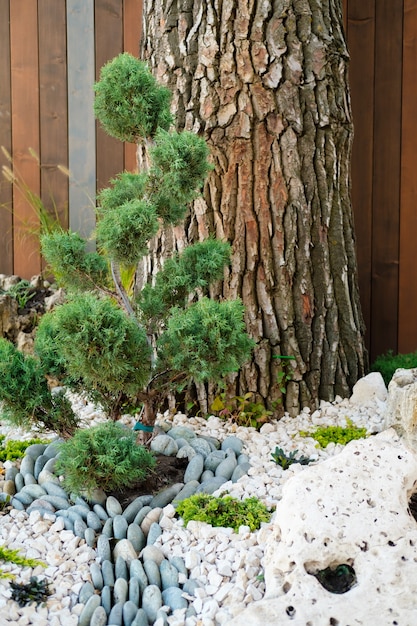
<point x="50" y="55"/>
<point x="51" y="52"/>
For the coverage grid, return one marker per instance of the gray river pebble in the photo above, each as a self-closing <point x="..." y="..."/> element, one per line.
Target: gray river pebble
<point x="164" y="444"/>
<point x="136" y="537"/>
<point x="129" y="612"/>
<point x="121" y="589"/>
<point x="136" y="570"/>
<point x="113" y="506"/>
<point x="141" y="619"/>
<point x="182" y="432"/>
<point x="120" y="525"/>
<point x="194" y="469"/>
<point x="106" y="598"/>
<point x="152" y="601"/>
<point x="169" y="575"/>
<point x="166" y="496"/>
<point x="107" y="571"/>
<point x="99" y="617"/>
<point x="116" y="615"/>
<point x="88" y="610"/>
<point x="172" y="596"/>
<point x="152" y="573"/>
<point x="120" y="568"/>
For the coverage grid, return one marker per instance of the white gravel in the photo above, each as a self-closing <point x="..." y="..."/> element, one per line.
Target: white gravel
<point x="228" y="565"/>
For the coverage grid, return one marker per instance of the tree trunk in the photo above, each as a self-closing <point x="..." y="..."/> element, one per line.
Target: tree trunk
<point x="266" y="83"/>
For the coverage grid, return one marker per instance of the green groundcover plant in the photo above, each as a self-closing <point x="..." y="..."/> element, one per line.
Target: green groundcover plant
<point x="336" y="434"/>
<point x="13" y="449"/>
<point x="105" y="456"/>
<point x="224" y="511"/>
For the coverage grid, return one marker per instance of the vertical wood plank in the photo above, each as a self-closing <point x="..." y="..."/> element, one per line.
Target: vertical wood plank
<point x="361" y="43"/>
<point x="386" y="196"/>
<point x="81" y="123"/>
<point x="108" y="44"/>
<point x="6" y="221"/>
<point x="25" y="130"/>
<point x="53" y="107"/>
<point x="407" y="318"/>
<point x="132" y="33"/>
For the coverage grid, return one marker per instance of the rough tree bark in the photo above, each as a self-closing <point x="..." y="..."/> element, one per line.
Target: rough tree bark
<point x="266" y="83"/>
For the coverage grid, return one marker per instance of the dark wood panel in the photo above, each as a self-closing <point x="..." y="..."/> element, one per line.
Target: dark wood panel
<point x="6" y="222"/>
<point x="108" y="44"/>
<point x="25" y="131"/>
<point x="361" y="43"/>
<point x="132" y="32"/>
<point x="386" y="196"/>
<point x="407" y="318"/>
<point x="53" y="106"/>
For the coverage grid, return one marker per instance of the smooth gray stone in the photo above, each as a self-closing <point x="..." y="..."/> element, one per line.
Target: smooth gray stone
<point x="211" y="485"/>
<point x="226" y="467"/>
<point x="181" y="442"/>
<point x="141" y="619"/>
<point x="206" y="475"/>
<point x="107" y="530"/>
<point x="152" y="553"/>
<point x="166" y="496"/>
<point x="39" y="465"/>
<point x="11" y="473"/>
<point x="240" y="471"/>
<point x="242" y="458"/>
<point x="113" y="506"/>
<point x="41" y="509"/>
<point x="182" y="432"/>
<point x="35" y="490"/>
<point x="19" y="481"/>
<point x="96" y="576"/>
<point x="47" y="477"/>
<point x="27" y="465"/>
<point x="142" y="514"/>
<point x="97" y="496"/>
<point x="57" y="502"/>
<point x="79" y="528"/>
<point x="134" y="590"/>
<point x="36" y="449"/>
<point x="52" y="449"/>
<point x="69" y="524"/>
<point x="129" y="613"/>
<point x="152" y="574"/>
<point x="50" y="465"/>
<point x="234" y="443"/>
<point x="188" y="490"/>
<point x="161" y="615"/>
<point x="40" y="503"/>
<point x="99" y="617"/>
<point x="82" y="511"/>
<point x="79" y="501"/>
<point x="190" y="612"/>
<point x="30" y="479"/>
<point x="90" y="537"/>
<point x="100" y="512"/>
<point x="155" y="531"/>
<point x="214" y="459"/>
<point x="107" y="571"/>
<point x="120" y="569"/>
<point x="179" y="564"/>
<point x="93" y="521"/>
<point x="212" y="441"/>
<point x="136" y="537"/>
<point x="54" y="490"/>
<point x="120" y="591"/>
<point x="151" y="602"/>
<point x="116" y="615"/>
<point x="24" y="498"/>
<point x="172" y="596"/>
<point x="201" y="446"/>
<point x="195" y="468"/>
<point x="87" y="613"/>
<point x="106" y="598"/>
<point x="169" y="575"/>
<point x="133" y="509"/>
<point x="164" y="444"/>
<point x="120" y="527"/>
<point x="186" y="452"/>
<point x="190" y="586"/>
<point x="86" y="591"/>
<point x="136" y="571"/>
<point x="72" y="515"/>
<point x="103" y="548"/>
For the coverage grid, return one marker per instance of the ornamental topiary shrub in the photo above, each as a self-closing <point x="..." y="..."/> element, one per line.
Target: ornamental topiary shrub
<point x="104" y="456"/>
<point x="126" y="350"/>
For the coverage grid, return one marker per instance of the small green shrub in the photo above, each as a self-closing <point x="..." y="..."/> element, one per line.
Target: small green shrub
<point x="336" y="434"/>
<point x="25" y="395"/>
<point x="285" y="461"/>
<point x="241" y="410"/>
<point x="129" y="103"/>
<point x="387" y="363"/>
<point x="224" y="511"/>
<point x="22" y="292"/>
<point x="14" y="556"/>
<point x="104" y="456"/>
<point x="13" y="449"/>
<point x="35" y="590"/>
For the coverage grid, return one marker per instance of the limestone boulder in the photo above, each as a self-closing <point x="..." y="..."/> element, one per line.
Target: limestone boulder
<point x="350" y="510"/>
<point x="401" y="406"/>
<point x="368" y="389"/>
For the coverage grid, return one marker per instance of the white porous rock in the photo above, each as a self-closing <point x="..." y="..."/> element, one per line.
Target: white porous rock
<point x="351" y="509"/>
<point x="401" y="407"/>
<point x="369" y="388"/>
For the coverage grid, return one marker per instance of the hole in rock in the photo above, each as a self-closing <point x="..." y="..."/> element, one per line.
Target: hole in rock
<point x="391" y="543"/>
<point x="333" y="621"/>
<point x="412" y="505"/>
<point x="286" y="587"/>
<point x="336" y="578"/>
<point x="290" y="611"/>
